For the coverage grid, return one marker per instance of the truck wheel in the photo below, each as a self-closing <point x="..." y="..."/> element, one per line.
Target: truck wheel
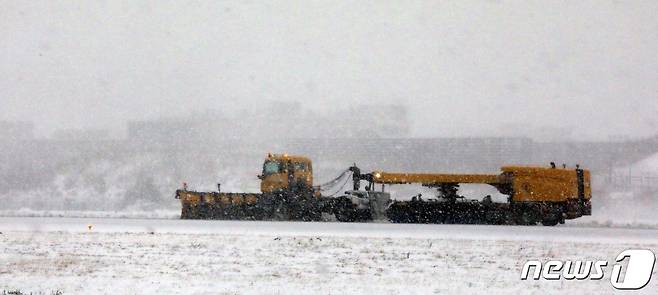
<point x="186" y="212"/>
<point x="344" y="210"/>
<point x="526" y="218"/>
<point x="494" y="217"/>
<point x="364" y="215"/>
<point x="281" y="215"/>
<point x="204" y="211"/>
<point x="397" y="213"/>
<point x="550" y="222"/>
<point x="345" y="216"/>
<point x="281" y="212"/>
<point x="312" y="214"/>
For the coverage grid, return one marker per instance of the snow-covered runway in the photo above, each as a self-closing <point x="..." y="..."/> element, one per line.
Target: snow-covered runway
<point x="137" y="256"/>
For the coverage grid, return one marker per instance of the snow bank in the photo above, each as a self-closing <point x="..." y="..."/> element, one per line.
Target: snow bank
<point x="155" y="214"/>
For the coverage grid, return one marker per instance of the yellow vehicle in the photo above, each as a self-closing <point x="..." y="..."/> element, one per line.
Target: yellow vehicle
<point x="535" y="194"/>
<point x="548" y="195"/>
<point x="286" y="172"/>
<point x="287" y="193"/>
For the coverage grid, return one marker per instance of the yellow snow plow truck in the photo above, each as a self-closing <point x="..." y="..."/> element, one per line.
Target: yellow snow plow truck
<point x="287" y="193"/>
<point x="547" y="195"/>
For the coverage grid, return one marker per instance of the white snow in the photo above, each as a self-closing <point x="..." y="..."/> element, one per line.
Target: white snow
<point x="648" y="165"/>
<point x="608" y="216"/>
<point x="135" y="256"/>
<point x="154" y="214"/>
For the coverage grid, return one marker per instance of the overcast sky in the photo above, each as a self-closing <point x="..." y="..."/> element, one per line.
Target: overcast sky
<point x="464" y="68"/>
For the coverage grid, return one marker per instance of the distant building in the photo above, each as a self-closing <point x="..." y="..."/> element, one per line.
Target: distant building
<point x="361" y="121"/>
<point x="160" y="130"/>
<point x="81" y="134"/>
<point x="202" y="126"/>
<point x="277" y="120"/>
<point x="377" y="121"/>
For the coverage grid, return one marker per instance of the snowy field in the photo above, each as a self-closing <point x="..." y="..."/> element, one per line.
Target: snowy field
<point x="142" y="256"/>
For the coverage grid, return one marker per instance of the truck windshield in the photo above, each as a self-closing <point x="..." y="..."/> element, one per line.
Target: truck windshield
<point x="300" y="166"/>
<point x="271" y="167"/>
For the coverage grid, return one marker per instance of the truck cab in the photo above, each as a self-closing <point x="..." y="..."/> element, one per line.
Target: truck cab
<point x="286" y="173"/>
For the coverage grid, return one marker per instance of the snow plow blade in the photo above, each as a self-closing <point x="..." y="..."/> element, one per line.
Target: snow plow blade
<point x="214" y="205"/>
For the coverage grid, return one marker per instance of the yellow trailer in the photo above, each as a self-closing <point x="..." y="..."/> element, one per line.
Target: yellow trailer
<point x="535" y="194"/>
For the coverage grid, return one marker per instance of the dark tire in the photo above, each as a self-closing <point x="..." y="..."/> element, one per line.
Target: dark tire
<point x="397" y="213"/>
<point x="526" y="217"/>
<point x="204" y="211"/>
<point x="312" y="215"/>
<point x="186" y="212"/>
<point x="550" y="222"/>
<point x="345" y="216"/>
<point x="344" y="210"/>
<point x="281" y="213"/>
<point x="494" y="217"/>
<point x="364" y="215"/>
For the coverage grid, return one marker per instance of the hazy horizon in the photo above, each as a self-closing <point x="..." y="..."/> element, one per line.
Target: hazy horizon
<point x="578" y="70"/>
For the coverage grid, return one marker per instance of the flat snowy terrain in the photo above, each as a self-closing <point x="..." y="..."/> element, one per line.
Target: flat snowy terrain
<point x="138" y="256"/>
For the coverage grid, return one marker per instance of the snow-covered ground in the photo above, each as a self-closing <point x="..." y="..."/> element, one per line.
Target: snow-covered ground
<point x="138" y="256"/>
<point x="615" y="213"/>
<point x="153" y="214"/>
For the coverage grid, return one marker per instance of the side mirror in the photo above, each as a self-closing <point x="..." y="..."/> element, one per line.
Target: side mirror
<point x="260" y="177"/>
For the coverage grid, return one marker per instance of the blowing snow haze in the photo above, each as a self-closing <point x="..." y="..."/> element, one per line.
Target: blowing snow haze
<point x="122" y="120"/>
<point x="584" y="70"/>
<point x="111" y="105"/>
